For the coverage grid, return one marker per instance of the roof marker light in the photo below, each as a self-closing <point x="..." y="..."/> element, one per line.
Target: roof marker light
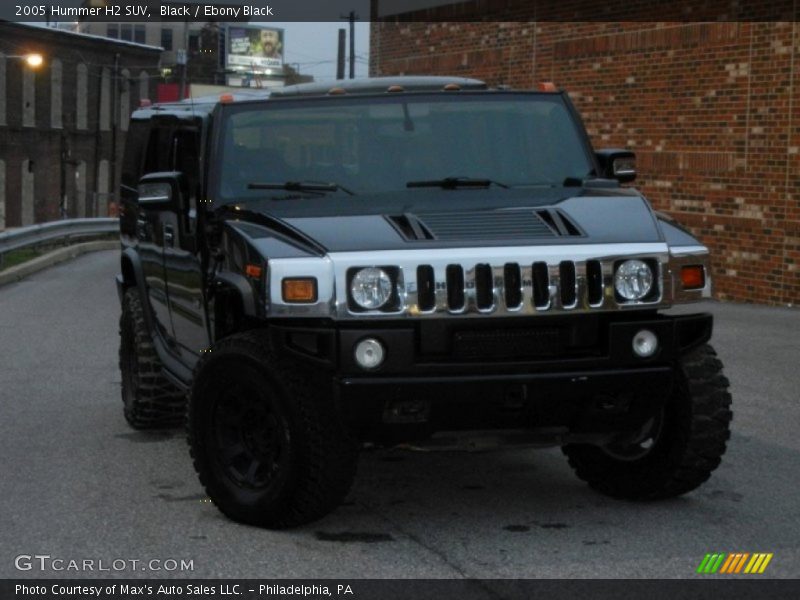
<point x="395" y="88"/>
<point x="226" y="98"/>
<point x="546" y="86"/>
<point x="452" y="87"/>
<point x="336" y="91"/>
<point x="145" y="103"/>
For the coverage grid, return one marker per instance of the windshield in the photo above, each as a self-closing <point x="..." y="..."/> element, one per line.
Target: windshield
<point x="373" y="145"/>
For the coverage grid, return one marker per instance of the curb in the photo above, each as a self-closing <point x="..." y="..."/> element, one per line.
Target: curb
<point x="53" y="258"/>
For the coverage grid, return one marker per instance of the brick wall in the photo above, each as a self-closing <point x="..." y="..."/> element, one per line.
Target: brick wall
<point x="709" y="107"/>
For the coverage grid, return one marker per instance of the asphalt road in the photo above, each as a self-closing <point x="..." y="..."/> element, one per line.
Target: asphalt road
<point x="77" y="483"/>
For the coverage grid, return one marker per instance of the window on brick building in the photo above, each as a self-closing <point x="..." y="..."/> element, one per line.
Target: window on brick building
<point x="2" y="89"/>
<point x="139" y="34"/>
<point x="2" y="194"/>
<point x="112" y="30"/>
<point x="56" y="86"/>
<point x="81" y="92"/>
<point x="166" y="38"/>
<point x="126" y="32"/>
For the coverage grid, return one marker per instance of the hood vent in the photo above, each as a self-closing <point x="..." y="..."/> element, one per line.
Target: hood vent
<point x="482" y="225"/>
<point x="558" y="222"/>
<point x="410" y="227"/>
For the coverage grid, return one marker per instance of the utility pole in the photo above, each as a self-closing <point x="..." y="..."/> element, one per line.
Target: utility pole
<point x="340" y="55"/>
<point x="352" y="18"/>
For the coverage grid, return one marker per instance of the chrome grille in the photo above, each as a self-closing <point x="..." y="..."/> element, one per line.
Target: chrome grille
<point x="512" y="287"/>
<point x="526" y="281"/>
<point x="475" y="282"/>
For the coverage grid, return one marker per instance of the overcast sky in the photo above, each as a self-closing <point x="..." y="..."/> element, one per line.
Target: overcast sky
<point x="313" y="47"/>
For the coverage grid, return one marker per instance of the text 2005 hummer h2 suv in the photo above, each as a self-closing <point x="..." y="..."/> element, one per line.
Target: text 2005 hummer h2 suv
<point x="394" y="258"/>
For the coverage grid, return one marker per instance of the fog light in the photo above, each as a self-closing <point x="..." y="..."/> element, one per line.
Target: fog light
<point x="369" y="353"/>
<point x="645" y="343"/>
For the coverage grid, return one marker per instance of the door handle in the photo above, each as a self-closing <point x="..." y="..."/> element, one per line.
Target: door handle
<point x="169" y="235"/>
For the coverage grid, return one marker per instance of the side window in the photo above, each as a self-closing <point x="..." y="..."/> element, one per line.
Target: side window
<point x="134" y="152"/>
<point x="185" y="157"/>
<point x="159" y="150"/>
<point x="185" y="152"/>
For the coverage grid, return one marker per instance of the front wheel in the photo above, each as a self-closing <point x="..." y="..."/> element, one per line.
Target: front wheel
<point x="268" y="443"/>
<point x="677" y="450"/>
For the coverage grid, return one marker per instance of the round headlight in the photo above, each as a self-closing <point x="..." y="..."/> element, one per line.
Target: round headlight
<point x="371" y="288"/>
<point x="633" y="279"/>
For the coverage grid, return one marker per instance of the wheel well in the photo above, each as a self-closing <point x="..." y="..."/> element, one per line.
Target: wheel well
<point x="228" y="312"/>
<point x="128" y="274"/>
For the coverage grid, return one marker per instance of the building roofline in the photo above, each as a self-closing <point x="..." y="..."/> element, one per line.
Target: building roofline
<point x="87" y="36"/>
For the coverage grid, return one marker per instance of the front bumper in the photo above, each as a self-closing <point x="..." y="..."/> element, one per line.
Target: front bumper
<point x="571" y="378"/>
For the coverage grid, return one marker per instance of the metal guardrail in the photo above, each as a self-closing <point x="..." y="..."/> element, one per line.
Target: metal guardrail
<point x="64" y="230"/>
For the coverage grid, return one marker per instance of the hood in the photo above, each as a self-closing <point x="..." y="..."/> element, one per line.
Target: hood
<point x="587" y="218"/>
<point x="577" y="220"/>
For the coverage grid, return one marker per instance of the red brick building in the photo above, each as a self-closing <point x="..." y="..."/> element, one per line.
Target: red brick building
<point x="708" y="105"/>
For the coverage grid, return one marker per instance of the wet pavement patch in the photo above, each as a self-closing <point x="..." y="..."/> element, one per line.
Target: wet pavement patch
<point x="170" y="498"/>
<point x="517" y="528"/>
<point x="553" y="525"/>
<point x="365" y="537"/>
<point x="724" y="495"/>
<point x="144" y="437"/>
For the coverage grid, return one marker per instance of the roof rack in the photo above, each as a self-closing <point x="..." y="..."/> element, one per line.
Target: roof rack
<point x="377" y="85"/>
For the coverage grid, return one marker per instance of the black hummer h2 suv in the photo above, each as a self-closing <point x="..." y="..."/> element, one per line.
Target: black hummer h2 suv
<point x="396" y="258"/>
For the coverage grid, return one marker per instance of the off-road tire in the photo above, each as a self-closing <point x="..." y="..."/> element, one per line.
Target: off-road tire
<point x="689" y="447"/>
<point x="150" y="400"/>
<point x="310" y="458"/>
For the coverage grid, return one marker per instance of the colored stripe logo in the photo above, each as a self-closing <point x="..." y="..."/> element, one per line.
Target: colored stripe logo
<point x="734" y="563"/>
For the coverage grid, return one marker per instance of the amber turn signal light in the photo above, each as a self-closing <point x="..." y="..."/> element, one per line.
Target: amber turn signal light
<point x="253" y="271"/>
<point x="693" y="277"/>
<point x="299" y="289"/>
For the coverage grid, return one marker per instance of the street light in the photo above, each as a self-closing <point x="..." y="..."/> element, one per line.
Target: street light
<point x="32" y="60"/>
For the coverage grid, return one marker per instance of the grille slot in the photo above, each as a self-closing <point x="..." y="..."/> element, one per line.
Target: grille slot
<point x="484" y="292"/>
<point x="455" y="287"/>
<point x="512" y="285"/>
<point x="541" y="285"/>
<point x="566" y="275"/>
<point x="594" y="282"/>
<point x="426" y="287"/>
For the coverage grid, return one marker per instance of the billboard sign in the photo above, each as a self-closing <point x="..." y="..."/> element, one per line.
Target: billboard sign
<point x="254" y="49"/>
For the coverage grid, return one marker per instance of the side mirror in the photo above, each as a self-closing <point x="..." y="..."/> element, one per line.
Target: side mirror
<point x="617" y="164"/>
<point x="163" y="191"/>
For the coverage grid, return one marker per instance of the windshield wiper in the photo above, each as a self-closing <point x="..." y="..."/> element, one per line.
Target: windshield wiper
<point x="451" y="183"/>
<point x="300" y="186"/>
